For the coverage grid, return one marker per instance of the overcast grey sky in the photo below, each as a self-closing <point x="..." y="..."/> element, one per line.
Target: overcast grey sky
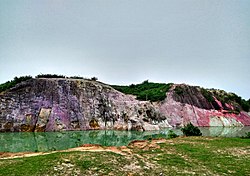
<point x="198" y="42"/>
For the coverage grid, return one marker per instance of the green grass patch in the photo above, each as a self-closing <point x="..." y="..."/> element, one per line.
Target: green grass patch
<point x="178" y="156"/>
<point x="37" y="165"/>
<point x="146" y="90"/>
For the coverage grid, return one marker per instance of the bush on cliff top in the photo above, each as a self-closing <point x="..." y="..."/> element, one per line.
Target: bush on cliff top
<point x="50" y="76"/>
<point x="225" y="97"/>
<point x="12" y="83"/>
<point x="207" y="94"/>
<point x="146" y="90"/>
<point x="76" y="77"/>
<point x="62" y="76"/>
<point x="178" y="90"/>
<point x="191" y="130"/>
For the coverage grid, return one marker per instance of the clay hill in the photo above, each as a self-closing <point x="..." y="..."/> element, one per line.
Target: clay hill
<point x="58" y="104"/>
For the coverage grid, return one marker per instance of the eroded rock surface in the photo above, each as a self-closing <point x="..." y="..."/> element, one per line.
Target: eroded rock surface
<point x="75" y="104"/>
<point x="192" y="106"/>
<point x="71" y="104"/>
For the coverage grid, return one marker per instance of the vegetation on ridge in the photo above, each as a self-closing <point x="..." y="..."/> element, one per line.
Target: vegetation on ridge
<point x="150" y="91"/>
<point x="146" y="90"/>
<point x="12" y="83"/>
<point x="9" y="84"/>
<point x="50" y="76"/>
<point x="224" y="97"/>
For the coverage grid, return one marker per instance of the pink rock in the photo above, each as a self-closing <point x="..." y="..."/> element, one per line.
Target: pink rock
<point x="72" y="104"/>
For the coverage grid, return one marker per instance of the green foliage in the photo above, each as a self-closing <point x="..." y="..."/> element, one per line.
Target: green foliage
<point x="179" y="156"/>
<point x="191" y="130"/>
<point x="178" y="90"/>
<point x="227" y="97"/>
<point x="80" y="77"/>
<point x="146" y="90"/>
<point x="76" y="77"/>
<point x="224" y="97"/>
<point x="245" y="105"/>
<point x="247" y="136"/>
<point x="171" y="134"/>
<point x="232" y="97"/>
<point x="50" y="76"/>
<point x="94" y="78"/>
<point x="207" y="94"/>
<point x="9" y="84"/>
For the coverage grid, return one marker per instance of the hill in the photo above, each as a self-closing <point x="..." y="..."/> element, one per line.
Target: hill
<point x="57" y="103"/>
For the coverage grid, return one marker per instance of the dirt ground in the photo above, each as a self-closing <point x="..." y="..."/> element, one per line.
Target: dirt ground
<point x="122" y="150"/>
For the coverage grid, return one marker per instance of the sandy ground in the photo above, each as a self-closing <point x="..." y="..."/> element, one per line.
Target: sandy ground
<point x="123" y="150"/>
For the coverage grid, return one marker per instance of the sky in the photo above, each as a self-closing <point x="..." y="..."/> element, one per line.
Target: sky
<point x="197" y="42"/>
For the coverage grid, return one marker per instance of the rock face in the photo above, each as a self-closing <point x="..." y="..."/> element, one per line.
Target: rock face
<point x="71" y="104"/>
<point x="76" y="104"/>
<point x="192" y="106"/>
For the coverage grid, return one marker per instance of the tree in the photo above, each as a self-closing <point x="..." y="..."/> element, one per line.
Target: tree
<point x="191" y="130"/>
<point x="94" y="78"/>
<point x="171" y="134"/>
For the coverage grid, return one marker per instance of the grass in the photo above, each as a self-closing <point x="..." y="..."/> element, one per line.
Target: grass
<point x="178" y="156"/>
<point x="30" y="165"/>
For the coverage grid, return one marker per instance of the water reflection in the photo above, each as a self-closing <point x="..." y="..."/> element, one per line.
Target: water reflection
<point x="49" y="141"/>
<point x="225" y="131"/>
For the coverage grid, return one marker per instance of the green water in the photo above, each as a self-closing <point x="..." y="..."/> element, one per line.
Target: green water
<point x="49" y="141"/>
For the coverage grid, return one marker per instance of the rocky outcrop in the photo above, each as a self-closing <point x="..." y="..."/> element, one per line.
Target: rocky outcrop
<point x="72" y="104"/>
<point x="59" y="104"/>
<point x="190" y="105"/>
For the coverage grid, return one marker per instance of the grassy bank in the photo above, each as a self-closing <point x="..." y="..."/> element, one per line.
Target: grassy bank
<point x="179" y="156"/>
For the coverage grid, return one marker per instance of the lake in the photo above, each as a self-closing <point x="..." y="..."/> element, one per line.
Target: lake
<point x="50" y="141"/>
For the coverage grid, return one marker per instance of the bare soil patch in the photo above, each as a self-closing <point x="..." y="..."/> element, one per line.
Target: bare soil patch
<point x="123" y="150"/>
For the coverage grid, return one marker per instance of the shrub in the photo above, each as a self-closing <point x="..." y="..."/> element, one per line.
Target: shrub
<point x="232" y="98"/>
<point x="247" y="136"/>
<point x="171" y="134"/>
<point x="207" y="94"/>
<point x="146" y="90"/>
<point x="76" y="77"/>
<point x="12" y="83"/>
<point x="245" y="105"/>
<point x="50" y="76"/>
<point x="178" y="90"/>
<point x="191" y="130"/>
<point x="94" y="79"/>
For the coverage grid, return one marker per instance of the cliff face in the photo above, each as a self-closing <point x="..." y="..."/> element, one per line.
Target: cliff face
<point x="77" y="104"/>
<point x="71" y="104"/>
<point x="190" y="105"/>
